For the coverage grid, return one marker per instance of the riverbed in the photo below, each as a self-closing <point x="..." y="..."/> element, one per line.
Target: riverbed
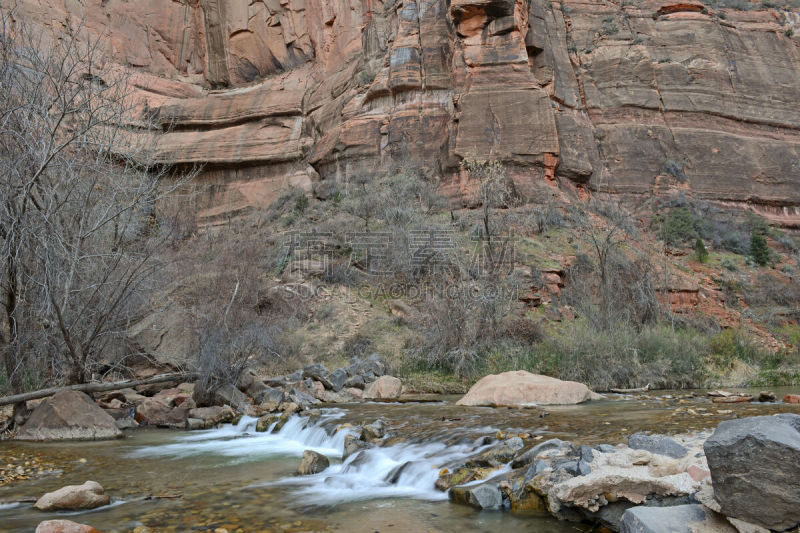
<point x="243" y="481"/>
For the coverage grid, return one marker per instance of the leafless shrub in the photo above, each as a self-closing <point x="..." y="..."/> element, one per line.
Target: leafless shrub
<point x="80" y="182"/>
<point x="610" y="288"/>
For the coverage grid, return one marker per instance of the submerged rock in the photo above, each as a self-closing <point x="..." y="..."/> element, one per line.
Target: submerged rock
<point x="74" y="497"/>
<point x="692" y="518"/>
<point x="69" y="415"/>
<point x="755" y="468"/>
<point x="64" y="526"/>
<point x="312" y="463"/>
<point x="523" y="389"/>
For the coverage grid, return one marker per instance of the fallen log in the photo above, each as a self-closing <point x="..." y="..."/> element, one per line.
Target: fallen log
<point x="97" y="387"/>
<point x="631" y="391"/>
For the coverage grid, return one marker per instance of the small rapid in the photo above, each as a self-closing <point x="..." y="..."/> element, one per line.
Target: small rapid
<point x="402" y="470"/>
<point x="244" y="442"/>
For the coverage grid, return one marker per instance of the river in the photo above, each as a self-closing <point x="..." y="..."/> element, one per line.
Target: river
<point x="241" y="480"/>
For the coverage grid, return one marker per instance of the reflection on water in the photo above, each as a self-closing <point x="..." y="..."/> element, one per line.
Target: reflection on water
<point x="236" y="478"/>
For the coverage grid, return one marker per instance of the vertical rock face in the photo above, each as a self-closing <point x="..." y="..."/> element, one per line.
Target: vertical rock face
<point x="643" y="97"/>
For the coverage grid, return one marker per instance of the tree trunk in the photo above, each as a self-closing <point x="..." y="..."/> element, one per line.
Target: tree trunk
<point x="96" y="387"/>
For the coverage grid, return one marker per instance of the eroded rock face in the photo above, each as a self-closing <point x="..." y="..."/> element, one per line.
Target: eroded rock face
<point x="522" y="389"/>
<point x="637" y="98"/>
<point x="69" y="415"/>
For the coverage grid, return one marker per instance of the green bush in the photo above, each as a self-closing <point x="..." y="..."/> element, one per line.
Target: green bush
<point x="759" y="250"/>
<point x="680" y="226"/>
<point x="700" y="252"/>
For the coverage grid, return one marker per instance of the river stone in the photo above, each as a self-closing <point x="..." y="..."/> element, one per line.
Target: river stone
<point x="497" y="455"/>
<point x="385" y="387"/>
<point x="211" y="416"/>
<point x="523" y="389"/>
<point x="528" y="456"/>
<point x="691" y="518"/>
<point x="483" y="496"/>
<point x="755" y="467"/>
<point x="69" y="415"/>
<point x="352" y="444"/>
<point x="374" y="431"/>
<point x="64" y="526"/>
<point x="657" y="444"/>
<point x="74" y="497"/>
<point x="263" y="424"/>
<point x="312" y="463"/>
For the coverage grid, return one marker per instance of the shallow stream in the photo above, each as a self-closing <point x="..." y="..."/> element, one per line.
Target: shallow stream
<point x="241" y="480"/>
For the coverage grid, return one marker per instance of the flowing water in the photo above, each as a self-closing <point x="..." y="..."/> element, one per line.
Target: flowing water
<point x="241" y="480"/>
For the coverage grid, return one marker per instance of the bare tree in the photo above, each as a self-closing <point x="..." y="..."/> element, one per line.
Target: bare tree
<point x="496" y="192"/>
<point x="79" y="186"/>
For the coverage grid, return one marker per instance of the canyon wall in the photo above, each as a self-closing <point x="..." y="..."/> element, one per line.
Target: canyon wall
<point x="636" y="97"/>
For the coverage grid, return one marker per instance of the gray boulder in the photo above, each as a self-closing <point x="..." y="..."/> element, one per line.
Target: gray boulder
<point x="336" y="380"/>
<point x="692" y="518"/>
<point x="657" y="444"/>
<point x="755" y="468"/>
<point x="483" y="496"/>
<point x="69" y="415"/>
<point x="355" y="382"/>
<point x="270" y="396"/>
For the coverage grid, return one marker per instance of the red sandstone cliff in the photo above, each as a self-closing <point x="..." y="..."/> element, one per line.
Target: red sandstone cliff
<point x="633" y="97"/>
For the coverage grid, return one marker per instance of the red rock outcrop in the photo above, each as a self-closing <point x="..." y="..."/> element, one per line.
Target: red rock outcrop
<point x="640" y="97"/>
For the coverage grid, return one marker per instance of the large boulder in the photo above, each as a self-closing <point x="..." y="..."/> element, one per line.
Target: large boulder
<point x="222" y="395"/>
<point x="384" y="388"/>
<point x="522" y="389"/>
<point x="153" y="412"/>
<point x="74" y="497"/>
<point x="64" y="526"/>
<point x="691" y="518"/>
<point x="755" y="468"/>
<point x="69" y="415"/>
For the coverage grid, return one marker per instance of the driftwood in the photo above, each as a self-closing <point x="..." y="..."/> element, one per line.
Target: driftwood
<point x="97" y="387"/>
<point x="631" y="391"/>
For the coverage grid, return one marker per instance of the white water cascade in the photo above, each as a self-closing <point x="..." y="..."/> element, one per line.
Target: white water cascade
<point x="403" y="470"/>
